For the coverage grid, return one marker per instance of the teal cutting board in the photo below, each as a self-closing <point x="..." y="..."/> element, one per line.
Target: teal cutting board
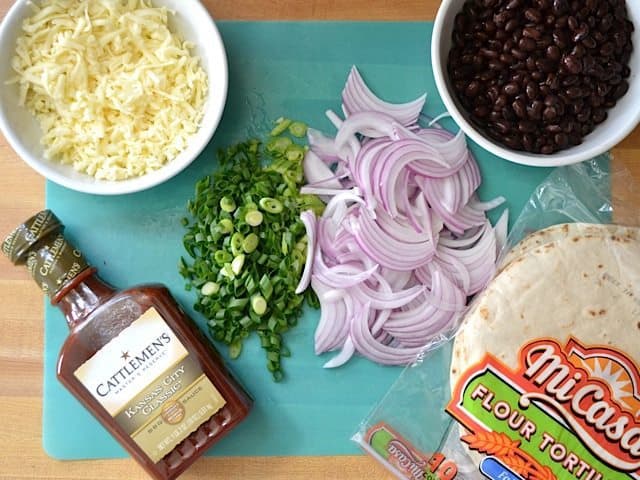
<point x="276" y="69"/>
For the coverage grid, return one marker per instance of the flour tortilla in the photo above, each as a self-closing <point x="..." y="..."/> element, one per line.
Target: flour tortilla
<point x="559" y="289"/>
<point x="562" y="231"/>
<point x="557" y="285"/>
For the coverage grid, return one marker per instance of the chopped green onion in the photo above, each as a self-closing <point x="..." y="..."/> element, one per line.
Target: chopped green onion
<point x="236" y="243"/>
<point x="298" y="129"/>
<point x="253" y="218"/>
<point x="281" y="125"/>
<point x="221" y="257"/>
<point x="237" y="264"/>
<point x="210" y="288"/>
<point x="279" y="144"/>
<point x="235" y="349"/>
<point x="270" y="205"/>
<point x="250" y="243"/>
<point x="225" y="225"/>
<point x="258" y="305"/>
<point x="295" y="153"/>
<point x="227" y="204"/>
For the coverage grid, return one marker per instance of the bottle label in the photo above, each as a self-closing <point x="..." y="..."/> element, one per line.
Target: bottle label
<point x="151" y="386"/>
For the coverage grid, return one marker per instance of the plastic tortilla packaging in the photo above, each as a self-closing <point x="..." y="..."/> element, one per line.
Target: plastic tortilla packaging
<point x="542" y="379"/>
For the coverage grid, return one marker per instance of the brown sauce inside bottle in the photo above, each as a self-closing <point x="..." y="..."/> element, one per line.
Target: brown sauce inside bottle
<point x="98" y="316"/>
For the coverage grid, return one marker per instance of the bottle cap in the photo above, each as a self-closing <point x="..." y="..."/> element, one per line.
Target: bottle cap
<point x="40" y="244"/>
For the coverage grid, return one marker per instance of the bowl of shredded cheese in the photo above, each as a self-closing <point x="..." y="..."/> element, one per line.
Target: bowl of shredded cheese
<point x="111" y="96"/>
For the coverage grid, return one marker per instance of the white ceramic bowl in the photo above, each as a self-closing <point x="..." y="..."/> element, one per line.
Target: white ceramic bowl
<point x="193" y="22"/>
<point x="622" y="119"/>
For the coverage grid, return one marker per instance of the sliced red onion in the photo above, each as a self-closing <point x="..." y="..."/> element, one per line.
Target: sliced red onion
<point x="317" y="172"/>
<point x="404" y="240"/>
<point x="332" y="328"/>
<point x="340" y="276"/>
<point x="479" y="260"/>
<point x="501" y="229"/>
<point x="372" y="349"/>
<point x="378" y="124"/>
<point x="348" y="349"/>
<point x="323" y="146"/>
<point x="351" y="145"/>
<point x="386" y="250"/>
<point x="486" y="206"/>
<point x="357" y="97"/>
<point x="309" y="220"/>
<point x="385" y="301"/>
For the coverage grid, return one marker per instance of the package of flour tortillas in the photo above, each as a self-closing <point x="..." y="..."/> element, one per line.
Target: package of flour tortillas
<point x="542" y="379"/>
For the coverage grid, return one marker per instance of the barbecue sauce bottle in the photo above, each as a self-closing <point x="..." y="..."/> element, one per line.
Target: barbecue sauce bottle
<point x="133" y="357"/>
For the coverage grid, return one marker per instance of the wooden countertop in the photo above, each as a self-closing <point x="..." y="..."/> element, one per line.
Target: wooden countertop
<point x="21" y="317"/>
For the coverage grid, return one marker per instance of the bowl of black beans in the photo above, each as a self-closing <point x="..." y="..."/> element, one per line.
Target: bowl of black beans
<point x="540" y="82"/>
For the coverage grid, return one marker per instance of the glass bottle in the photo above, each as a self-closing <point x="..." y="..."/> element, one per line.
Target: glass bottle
<point x="132" y="357"/>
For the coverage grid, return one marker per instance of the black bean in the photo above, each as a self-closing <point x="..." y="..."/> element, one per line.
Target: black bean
<point x="550" y="113"/>
<point x="553" y="52"/>
<point x="560" y="7"/>
<point x="599" y="115"/>
<point x="511" y="89"/>
<point x="495" y="116"/>
<point x="528" y="142"/>
<point x="514" y="4"/>
<point x="506" y="58"/>
<point x="561" y="21"/>
<point x="488" y="53"/>
<point x="546" y="65"/>
<point x="573" y="64"/>
<point x="584" y="116"/>
<point x="526" y="126"/>
<point x="527" y="44"/>
<point x="532" y="33"/>
<point x="533" y="15"/>
<point x="519" y="108"/>
<point x="547" y="70"/>
<point x="553" y="81"/>
<point x="496" y="65"/>
<point x="615" y="79"/>
<point x="534" y="111"/>
<point x="502" y="126"/>
<point x="519" y="54"/>
<point x="481" y="111"/>
<point x="508" y="114"/>
<point x="561" y="140"/>
<point x="570" y="80"/>
<point x="573" y="23"/>
<point x="547" y="149"/>
<point x="501" y="102"/>
<point x="473" y="89"/>
<point x="573" y="92"/>
<point x="512" y="141"/>
<point x="511" y="25"/>
<point x="532" y="90"/>
<point x="537" y="76"/>
<point x="501" y="18"/>
<point x="620" y="90"/>
<point x="589" y="42"/>
<point x="560" y="38"/>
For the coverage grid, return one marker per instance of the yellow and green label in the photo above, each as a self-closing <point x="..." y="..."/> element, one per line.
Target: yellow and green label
<point x="148" y="382"/>
<point x="556" y="415"/>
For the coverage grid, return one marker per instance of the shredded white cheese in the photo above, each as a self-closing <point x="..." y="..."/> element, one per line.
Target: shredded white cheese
<point x="116" y="92"/>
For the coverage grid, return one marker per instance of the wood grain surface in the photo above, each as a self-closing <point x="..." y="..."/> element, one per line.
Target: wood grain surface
<point x="21" y="314"/>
